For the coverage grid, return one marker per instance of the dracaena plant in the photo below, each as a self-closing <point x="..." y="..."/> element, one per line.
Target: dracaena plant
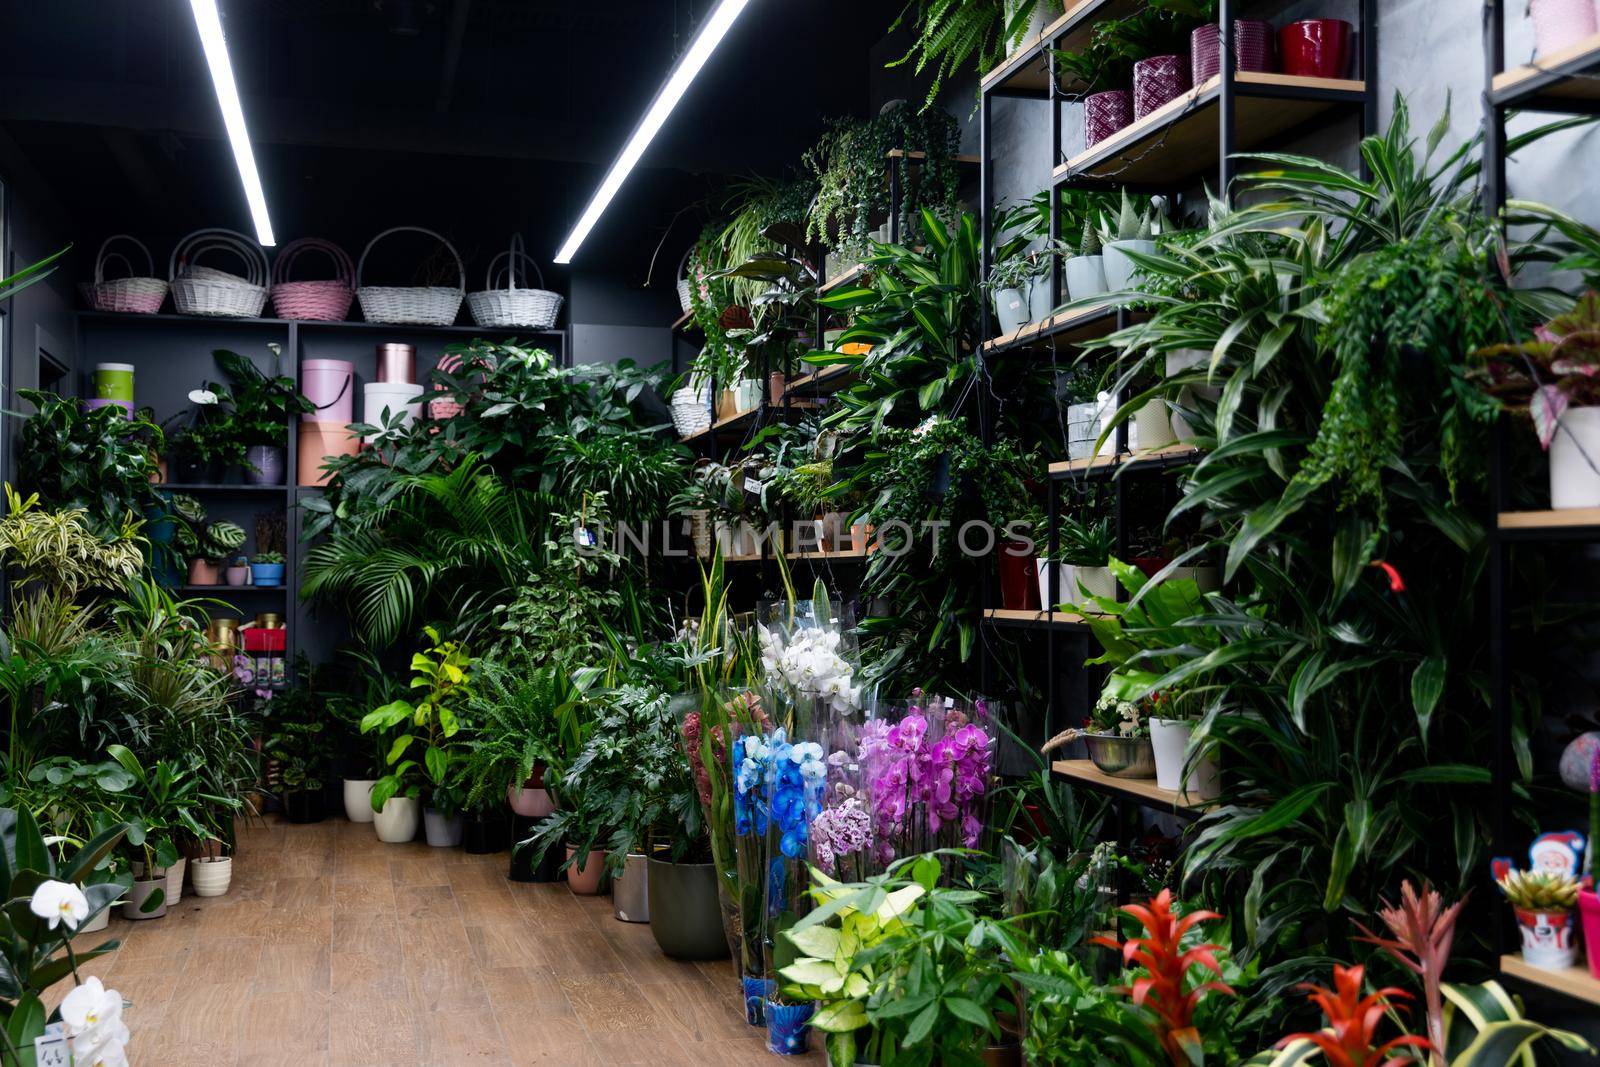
<point x="422" y="751"/>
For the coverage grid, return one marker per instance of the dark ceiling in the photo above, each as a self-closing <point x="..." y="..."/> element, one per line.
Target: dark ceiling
<point x="473" y="117"/>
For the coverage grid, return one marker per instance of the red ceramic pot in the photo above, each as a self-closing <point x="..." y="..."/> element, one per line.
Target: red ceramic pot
<point x="1158" y="81"/>
<point x="1104" y="114"/>
<point x="1316" y="48"/>
<point x="1019" y="578"/>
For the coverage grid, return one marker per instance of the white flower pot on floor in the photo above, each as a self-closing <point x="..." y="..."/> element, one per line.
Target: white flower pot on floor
<point x="175" y="880"/>
<point x="358" y="799"/>
<point x="1086" y="277"/>
<point x="1575" y="459"/>
<point x="99" y="922"/>
<point x="442" y="831"/>
<point x="212" y="876"/>
<point x="397" y="822"/>
<point x="1170" y="739"/>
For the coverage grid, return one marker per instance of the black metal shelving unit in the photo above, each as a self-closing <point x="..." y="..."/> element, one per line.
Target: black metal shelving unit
<point x="172" y="354"/>
<point x="1566" y="83"/>
<point x="1188" y="143"/>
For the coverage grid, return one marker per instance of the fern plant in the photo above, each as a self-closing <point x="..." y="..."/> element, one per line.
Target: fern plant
<point x="956" y="35"/>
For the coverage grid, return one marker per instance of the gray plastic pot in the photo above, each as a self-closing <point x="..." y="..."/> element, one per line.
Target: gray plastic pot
<point x="684" y="915"/>
<point x="142" y="891"/>
<point x="441" y="831"/>
<point x="630" y="894"/>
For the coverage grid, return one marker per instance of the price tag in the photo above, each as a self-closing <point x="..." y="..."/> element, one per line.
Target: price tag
<point x="50" y="1048"/>
<point x="752" y="486"/>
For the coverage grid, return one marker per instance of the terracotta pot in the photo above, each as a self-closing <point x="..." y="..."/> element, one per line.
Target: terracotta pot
<point x="1104" y="114"/>
<point x="204" y="572"/>
<point x="1019" y="578"/>
<point x="1316" y="48"/>
<point x="586" y="882"/>
<point x="776" y="385"/>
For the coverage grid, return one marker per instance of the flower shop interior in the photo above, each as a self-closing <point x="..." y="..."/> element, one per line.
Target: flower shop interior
<point x="903" y="532"/>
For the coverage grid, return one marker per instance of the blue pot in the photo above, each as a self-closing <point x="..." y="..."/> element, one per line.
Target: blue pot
<point x="789" y="1028"/>
<point x="266" y="574"/>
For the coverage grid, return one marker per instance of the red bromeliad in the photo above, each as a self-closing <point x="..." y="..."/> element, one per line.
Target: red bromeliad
<point x="1167" y="964"/>
<point x="1353" y="1023"/>
<point x="1423" y="930"/>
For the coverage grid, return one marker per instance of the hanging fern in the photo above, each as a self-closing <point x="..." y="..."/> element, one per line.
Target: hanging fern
<point x="951" y="34"/>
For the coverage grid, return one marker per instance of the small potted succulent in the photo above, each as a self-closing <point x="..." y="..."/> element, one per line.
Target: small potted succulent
<point x="266" y="568"/>
<point x="1544" y="901"/>
<point x="238" y="572"/>
<point x="1010" y="283"/>
<point x="1086" y="273"/>
<point x="1135" y="232"/>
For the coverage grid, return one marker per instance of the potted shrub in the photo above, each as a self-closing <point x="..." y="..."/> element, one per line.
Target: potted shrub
<point x="218" y="542"/>
<point x="263" y="406"/>
<point x="1085" y="557"/>
<point x="1117" y="736"/>
<point x="162" y="802"/>
<point x="363" y="756"/>
<point x="441" y="818"/>
<point x="1557" y="378"/>
<point x="204" y="450"/>
<point x="422" y="753"/>
<point x="266" y="568"/>
<point x="1544" y="902"/>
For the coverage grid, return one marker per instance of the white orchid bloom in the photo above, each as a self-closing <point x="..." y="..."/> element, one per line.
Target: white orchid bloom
<point x="60" y="902"/>
<point x="91" y="1005"/>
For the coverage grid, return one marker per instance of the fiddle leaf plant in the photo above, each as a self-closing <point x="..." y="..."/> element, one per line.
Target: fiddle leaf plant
<point x="443" y="673"/>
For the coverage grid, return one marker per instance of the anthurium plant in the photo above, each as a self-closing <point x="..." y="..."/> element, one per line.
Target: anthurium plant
<point x="443" y="674"/>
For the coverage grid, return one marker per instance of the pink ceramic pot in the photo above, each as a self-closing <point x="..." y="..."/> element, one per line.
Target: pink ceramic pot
<point x="1589" y="910"/>
<point x="587" y="881"/>
<point x="1254" y="49"/>
<point x="1558" y="24"/>
<point x="1158" y="81"/>
<point x="1104" y="114"/>
<point x="1316" y="48"/>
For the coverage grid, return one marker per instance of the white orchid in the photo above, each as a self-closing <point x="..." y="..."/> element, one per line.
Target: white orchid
<point x="60" y="902"/>
<point x="809" y="664"/>
<point x="93" y="1017"/>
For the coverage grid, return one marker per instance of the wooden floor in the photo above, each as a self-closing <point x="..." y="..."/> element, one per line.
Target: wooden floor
<point x="333" y="948"/>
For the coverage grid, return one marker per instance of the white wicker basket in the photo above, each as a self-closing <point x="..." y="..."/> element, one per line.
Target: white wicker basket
<point x="139" y="295"/>
<point x="198" y="290"/>
<point x="691" y="411"/>
<point x="420" y="305"/>
<point x="532" y="308"/>
<point x="684" y="300"/>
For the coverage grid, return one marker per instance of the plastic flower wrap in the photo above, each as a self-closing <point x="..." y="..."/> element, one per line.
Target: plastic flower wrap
<point x="841" y="839"/>
<point x="927" y="776"/>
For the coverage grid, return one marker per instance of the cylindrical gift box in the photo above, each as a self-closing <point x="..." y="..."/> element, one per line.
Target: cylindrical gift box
<point x="328" y="384"/>
<point x="319" y="442"/>
<point x="393" y="397"/>
<point x="1158" y="81"/>
<point x="397" y="363"/>
<point x="113" y="381"/>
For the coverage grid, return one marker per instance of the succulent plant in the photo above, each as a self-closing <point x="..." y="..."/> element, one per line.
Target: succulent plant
<point x="1540" y="890"/>
<point x="1089" y="245"/>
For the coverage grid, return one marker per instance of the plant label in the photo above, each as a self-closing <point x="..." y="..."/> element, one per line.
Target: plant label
<point x="752" y="486"/>
<point x="50" y="1047"/>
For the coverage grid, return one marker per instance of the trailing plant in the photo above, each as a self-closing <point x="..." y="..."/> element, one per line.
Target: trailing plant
<point x="957" y="36"/>
<point x="851" y="164"/>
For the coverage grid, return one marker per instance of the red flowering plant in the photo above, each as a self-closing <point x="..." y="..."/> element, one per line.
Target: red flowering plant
<point x="1353" y="1022"/>
<point x="1175" y="972"/>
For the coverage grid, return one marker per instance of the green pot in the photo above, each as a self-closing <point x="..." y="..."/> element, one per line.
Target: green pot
<point x="684" y="914"/>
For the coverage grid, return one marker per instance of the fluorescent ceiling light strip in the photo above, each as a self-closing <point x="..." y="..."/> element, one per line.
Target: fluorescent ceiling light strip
<point x="209" y="23"/>
<point x="712" y="31"/>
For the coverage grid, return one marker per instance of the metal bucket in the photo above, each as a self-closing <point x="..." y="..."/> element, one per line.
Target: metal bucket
<point x="631" y="893"/>
<point x="1122" y="757"/>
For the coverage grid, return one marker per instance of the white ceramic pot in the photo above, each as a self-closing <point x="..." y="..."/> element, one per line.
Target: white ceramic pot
<point x="1096" y="581"/>
<point x="1170" y="739"/>
<point x="98" y="923"/>
<point x="1187" y="359"/>
<point x="530" y="803"/>
<point x="1119" y="266"/>
<point x="397" y="822"/>
<point x="212" y="876"/>
<point x="1152" y="427"/>
<point x="749" y="392"/>
<point x="1548" y="938"/>
<point x="1041" y="301"/>
<point x="143" y="889"/>
<point x="440" y="830"/>
<point x="175" y="880"/>
<point x="1066" y="592"/>
<point x="358" y="799"/>
<point x="1560" y="23"/>
<point x="1086" y="277"/>
<point x="736" y="539"/>
<point x="1575" y="459"/>
<point x="1010" y="310"/>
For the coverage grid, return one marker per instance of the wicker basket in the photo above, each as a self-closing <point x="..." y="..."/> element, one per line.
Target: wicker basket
<point x="531" y="308"/>
<point x="319" y="300"/>
<point x="137" y="295"/>
<point x="198" y="290"/>
<point x="419" y="305"/>
<point x="685" y="297"/>
<point x="691" y="411"/>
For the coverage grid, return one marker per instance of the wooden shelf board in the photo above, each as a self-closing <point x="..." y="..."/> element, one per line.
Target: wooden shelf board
<point x="961" y="157"/>
<point x="832" y="553"/>
<point x="824" y="380"/>
<point x="835" y="282"/>
<point x="1072" y="328"/>
<point x="1171" y="454"/>
<point x="681" y="321"/>
<point x="220" y="589"/>
<point x="1042" y="619"/>
<point x="1562" y="74"/>
<point x="1028" y="68"/>
<point x="1557" y="519"/>
<point x="221" y="487"/>
<point x="1144" y="790"/>
<point x="1575" y="982"/>
<point x="743" y="559"/>
<point x="1179" y="139"/>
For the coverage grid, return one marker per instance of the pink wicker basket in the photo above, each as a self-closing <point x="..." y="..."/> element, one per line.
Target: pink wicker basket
<point x="138" y="295"/>
<point x="318" y="300"/>
<point x="442" y="409"/>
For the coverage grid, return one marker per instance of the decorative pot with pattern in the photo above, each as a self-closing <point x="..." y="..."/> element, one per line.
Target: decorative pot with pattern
<point x="1158" y="81"/>
<point x="1104" y="114"/>
<point x="1254" y="48"/>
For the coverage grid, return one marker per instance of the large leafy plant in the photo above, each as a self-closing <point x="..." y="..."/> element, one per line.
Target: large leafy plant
<point x="263" y="404"/>
<point x="101" y="461"/>
<point x="422" y="750"/>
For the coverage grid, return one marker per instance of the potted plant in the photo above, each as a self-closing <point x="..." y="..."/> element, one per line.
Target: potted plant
<point x="204" y="450"/>
<point x="217" y="542"/>
<point x="162" y="803"/>
<point x="1086" y="546"/>
<point x="99" y="460"/>
<point x="442" y="824"/>
<point x="422" y="753"/>
<point x="1086" y="272"/>
<point x="238" y="572"/>
<point x="1009" y="283"/>
<point x="266" y="568"/>
<point x="519" y="707"/>
<point x="298" y="747"/>
<point x="1544" y="902"/>
<point x="362" y="754"/>
<point x="263" y="406"/>
<point x="211" y="875"/>
<point x="1557" y="377"/>
<point x="1135" y="233"/>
